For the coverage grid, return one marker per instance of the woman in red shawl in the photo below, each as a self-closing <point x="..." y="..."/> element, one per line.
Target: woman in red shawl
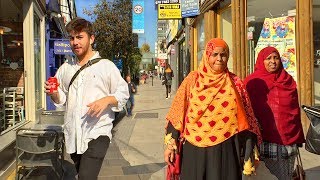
<point x="274" y="99"/>
<point x="212" y="112"/>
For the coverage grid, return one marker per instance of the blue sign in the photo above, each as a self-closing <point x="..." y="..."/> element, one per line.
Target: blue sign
<point x="62" y="47"/>
<point x="189" y="8"/>
<point x="118" y="63"/>
<point x="138" y="16"/>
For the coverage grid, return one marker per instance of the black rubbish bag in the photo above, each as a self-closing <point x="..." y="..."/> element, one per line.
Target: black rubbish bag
<point x="313" y="134"/>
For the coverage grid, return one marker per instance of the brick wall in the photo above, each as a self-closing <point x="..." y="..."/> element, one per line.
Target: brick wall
<point x="11" y="78"/>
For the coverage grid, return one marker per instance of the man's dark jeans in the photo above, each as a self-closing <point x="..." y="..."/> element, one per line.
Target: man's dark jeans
<point x="89" y="163"/>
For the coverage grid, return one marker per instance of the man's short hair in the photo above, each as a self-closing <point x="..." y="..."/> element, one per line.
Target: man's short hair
<point x="79" y="25"/>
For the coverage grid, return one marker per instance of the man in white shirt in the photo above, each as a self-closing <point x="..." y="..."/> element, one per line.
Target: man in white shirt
<point x="89" y="99"/>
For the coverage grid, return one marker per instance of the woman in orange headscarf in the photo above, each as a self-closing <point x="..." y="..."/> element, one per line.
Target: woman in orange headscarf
<point x="213" y="114"/>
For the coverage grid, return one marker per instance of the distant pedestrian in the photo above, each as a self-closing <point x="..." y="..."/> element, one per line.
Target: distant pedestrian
<point x="168" y="75"/>
<point x="274" y="97"/>
<point x="132" y="90"/>
<point x="89" y="99"/>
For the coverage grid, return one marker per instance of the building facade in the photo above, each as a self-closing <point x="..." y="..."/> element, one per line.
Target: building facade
<point x="22" y="57"/>
<point x="59" y="13"/>
<point x="26" y="28"/>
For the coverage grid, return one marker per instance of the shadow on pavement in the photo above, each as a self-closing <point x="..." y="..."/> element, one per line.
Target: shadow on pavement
<point x="312" y="173"/>
<point x="7" y="156"/>
<point x="118" y="117"/>
<point x="46" y="173"/>
<point x="143" y="169"/>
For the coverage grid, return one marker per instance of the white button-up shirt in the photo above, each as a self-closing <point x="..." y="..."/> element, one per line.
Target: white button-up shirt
<point x="93" y="83"/>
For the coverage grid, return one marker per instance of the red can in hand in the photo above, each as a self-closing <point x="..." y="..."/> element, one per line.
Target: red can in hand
<point x="53" y="82"/>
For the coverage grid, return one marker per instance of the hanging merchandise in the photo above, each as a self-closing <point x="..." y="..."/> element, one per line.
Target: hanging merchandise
<point x="280" y="33"/>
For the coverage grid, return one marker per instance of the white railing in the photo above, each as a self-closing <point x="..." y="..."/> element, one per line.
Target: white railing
<point x="12" y="108"/>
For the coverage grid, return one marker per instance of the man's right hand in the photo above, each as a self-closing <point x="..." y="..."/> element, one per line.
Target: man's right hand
<point x="54" y="94"/>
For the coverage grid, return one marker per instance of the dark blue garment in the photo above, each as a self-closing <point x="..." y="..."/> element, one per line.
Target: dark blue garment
<point x="131" y="87"/>
<point x="130" y="103"/>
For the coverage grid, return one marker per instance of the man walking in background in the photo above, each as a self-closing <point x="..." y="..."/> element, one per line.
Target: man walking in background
<point x="132" y="91"/>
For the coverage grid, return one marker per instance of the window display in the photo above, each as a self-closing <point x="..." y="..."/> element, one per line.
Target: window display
<point x="316" y="41"/>
<point x="270" y="25"/>
<point x="225" y="21"/>
<point x="201" y="39"/>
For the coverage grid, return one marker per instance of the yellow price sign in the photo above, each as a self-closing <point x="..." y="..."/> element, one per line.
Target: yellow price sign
<point x="169" y="11"/>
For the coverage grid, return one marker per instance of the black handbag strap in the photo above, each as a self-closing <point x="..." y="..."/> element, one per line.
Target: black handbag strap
<point x="89" y="63"/>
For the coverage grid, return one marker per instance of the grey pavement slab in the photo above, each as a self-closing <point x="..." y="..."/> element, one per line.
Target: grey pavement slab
<point x="123" y="177"/>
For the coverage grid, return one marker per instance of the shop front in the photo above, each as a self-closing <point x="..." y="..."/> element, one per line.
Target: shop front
<point x="249" y="25"/>
<point x="316" y="49"/>
<point x="22" y="64"/>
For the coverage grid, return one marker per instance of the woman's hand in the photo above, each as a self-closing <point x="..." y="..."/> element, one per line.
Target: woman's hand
<point x="169" y="156"/>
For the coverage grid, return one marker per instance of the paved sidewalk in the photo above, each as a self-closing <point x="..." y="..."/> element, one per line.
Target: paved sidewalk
<point x="140" y="137"/>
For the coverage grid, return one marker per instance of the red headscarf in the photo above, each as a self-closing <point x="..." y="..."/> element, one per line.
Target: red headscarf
<point x="274" y="100"/>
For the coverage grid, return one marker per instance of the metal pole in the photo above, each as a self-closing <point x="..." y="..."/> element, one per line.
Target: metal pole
<point x="152" y="73"/>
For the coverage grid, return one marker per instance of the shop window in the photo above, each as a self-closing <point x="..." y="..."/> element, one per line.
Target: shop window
<point x="272" y="23"/>
<point x="200" y="38"/>
<point x="316" y="41"/>
<point x="12" y="107"/>
<point x="225" y="31"/>
<point x="37" y="61"/>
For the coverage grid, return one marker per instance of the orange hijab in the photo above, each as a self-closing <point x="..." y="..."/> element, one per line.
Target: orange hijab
<point x="214" y="108"/>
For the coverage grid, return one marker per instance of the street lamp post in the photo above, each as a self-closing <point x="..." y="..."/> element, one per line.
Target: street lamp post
<point x="152" y="72"/>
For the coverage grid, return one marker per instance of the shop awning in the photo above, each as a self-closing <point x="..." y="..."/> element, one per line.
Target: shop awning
<point x="53" y="6"/>
<point x="60" y="23"/>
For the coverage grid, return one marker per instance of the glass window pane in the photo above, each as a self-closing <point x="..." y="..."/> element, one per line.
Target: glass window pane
<point x="37" y="61"/>
<point x="316" y="37"/>
<point x="270" y="25"/>
<point x="11" y="67"/>
<point x="226" y="32"/>
<point x="201" y="39"/>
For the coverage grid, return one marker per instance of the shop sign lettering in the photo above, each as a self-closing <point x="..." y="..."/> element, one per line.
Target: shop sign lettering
<point x="62" y="47"/>
<point x="190" y="8"/>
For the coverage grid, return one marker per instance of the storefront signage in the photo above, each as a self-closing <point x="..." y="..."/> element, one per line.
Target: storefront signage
<point x="162" y="56"/>
<point x="169" y="11"/>
<point x="162" y="1"/>
<point x="138" y="16"/>
<point x="62" y="47"/>
<point x="189" y="8"/>
<point x="280" y="33"/>
<point x="172" y="51"/>
<point x="166" y="1"/>
<point x="118" y="63"/>
<point x="317" y="58"/>
<point x="161" y="62"/>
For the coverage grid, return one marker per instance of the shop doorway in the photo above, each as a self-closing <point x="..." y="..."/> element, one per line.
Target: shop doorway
<point x="181" y="61"/>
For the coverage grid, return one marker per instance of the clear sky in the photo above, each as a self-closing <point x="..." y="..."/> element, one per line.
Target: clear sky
<point x="150" y="24"/>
